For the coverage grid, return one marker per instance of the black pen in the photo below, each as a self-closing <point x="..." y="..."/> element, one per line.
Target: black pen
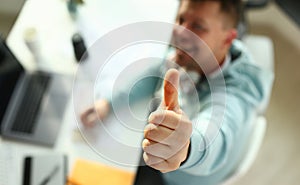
<point x="50" y="176"/>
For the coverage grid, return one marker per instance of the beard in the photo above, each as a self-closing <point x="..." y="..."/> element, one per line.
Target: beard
<point x="195" y="60"/>
<point x="187" y="61"/>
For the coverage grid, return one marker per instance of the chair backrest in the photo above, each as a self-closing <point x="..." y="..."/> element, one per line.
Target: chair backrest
<point x="255" y="141"/>
<point x="262" y="50"/>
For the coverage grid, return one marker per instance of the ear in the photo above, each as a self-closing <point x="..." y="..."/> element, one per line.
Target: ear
<point x="230" y="36"/>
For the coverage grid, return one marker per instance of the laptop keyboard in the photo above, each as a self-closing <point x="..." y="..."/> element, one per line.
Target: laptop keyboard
<point x="25" y="120"/>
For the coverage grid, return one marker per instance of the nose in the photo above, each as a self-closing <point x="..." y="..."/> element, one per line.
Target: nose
<point x="181" y="30"/>
<point x="182" y="34"/>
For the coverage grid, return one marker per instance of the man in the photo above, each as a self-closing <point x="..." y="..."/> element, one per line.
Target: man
<point x="183" y="148"/>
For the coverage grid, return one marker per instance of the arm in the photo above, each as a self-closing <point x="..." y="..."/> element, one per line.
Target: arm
<point x="217" y="140"/>
<point x="124" y="92"/>
<point x="220" y="147"/>
<point x="99" y="110"/>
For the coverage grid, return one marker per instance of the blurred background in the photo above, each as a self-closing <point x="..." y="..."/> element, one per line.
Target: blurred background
<point x="278" y="161"/>
<point x="8" y="13"/>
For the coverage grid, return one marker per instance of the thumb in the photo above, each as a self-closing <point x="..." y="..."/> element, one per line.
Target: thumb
<point x="171" y="83"/>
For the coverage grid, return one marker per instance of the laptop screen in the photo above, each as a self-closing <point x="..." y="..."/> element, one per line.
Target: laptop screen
<point x="10" y="71"/>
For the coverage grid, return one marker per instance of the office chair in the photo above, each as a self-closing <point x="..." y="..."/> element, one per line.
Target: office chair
<point x="261" y="47"/>
<point x="256" y="138"/>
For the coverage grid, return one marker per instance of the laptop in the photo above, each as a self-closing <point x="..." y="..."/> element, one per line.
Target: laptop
<point x="32" y="104"/>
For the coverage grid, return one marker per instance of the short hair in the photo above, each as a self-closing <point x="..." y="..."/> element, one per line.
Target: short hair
<point x="233" y="8"/>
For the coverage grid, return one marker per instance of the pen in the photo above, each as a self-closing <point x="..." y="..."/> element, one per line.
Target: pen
<point x="50" y="176"/>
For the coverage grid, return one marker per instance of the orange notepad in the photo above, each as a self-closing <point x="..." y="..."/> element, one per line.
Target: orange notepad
<point x="92" y="173"/>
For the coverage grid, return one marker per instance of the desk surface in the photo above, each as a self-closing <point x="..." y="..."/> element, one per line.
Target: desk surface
<point x="55" y="28"/>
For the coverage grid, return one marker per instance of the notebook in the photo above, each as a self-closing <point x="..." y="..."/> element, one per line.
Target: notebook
<point x="7" y="165"/>
<point x="87" y="172"/>
<point x="45" y="169"/>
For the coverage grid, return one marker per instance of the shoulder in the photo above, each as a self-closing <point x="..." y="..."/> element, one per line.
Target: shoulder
<point x="242" y="61"/>
<point x="240" y="53"/>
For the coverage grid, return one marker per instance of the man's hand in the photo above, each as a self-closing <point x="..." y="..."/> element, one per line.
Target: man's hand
<point x="167" y="136"/>
<point x="100" y="110"/>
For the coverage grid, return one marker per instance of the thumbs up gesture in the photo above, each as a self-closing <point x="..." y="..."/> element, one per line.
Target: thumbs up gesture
<point x="167" y="134"/>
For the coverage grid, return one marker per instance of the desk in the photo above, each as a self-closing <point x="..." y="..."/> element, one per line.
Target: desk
<point x="55" y="27"/>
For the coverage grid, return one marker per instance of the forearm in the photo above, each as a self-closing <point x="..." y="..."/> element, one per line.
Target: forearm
<point x="213" y="142"/>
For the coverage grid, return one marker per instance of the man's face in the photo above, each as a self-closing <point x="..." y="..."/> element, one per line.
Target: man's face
<point x="206" y="21"/>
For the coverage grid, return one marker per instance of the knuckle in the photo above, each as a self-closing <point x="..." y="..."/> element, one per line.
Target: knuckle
<point x="169" y="88"/>
<point x="145" y="144"/>
<point x="178" y="137"/>
<point x="164" y="152"/>
<point x="178" y="144"/>
<point x="173" y="166"/>
<point x="170" y="114"/>
<point x="149" y="130"/>
<point x="156" y="117"/>
<point x="148" y="149"/>
<point x="169" y="154"/>
<point x="186" y="126"/>
<point x="146" y="158"/>
<point x="180" y="140"/>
